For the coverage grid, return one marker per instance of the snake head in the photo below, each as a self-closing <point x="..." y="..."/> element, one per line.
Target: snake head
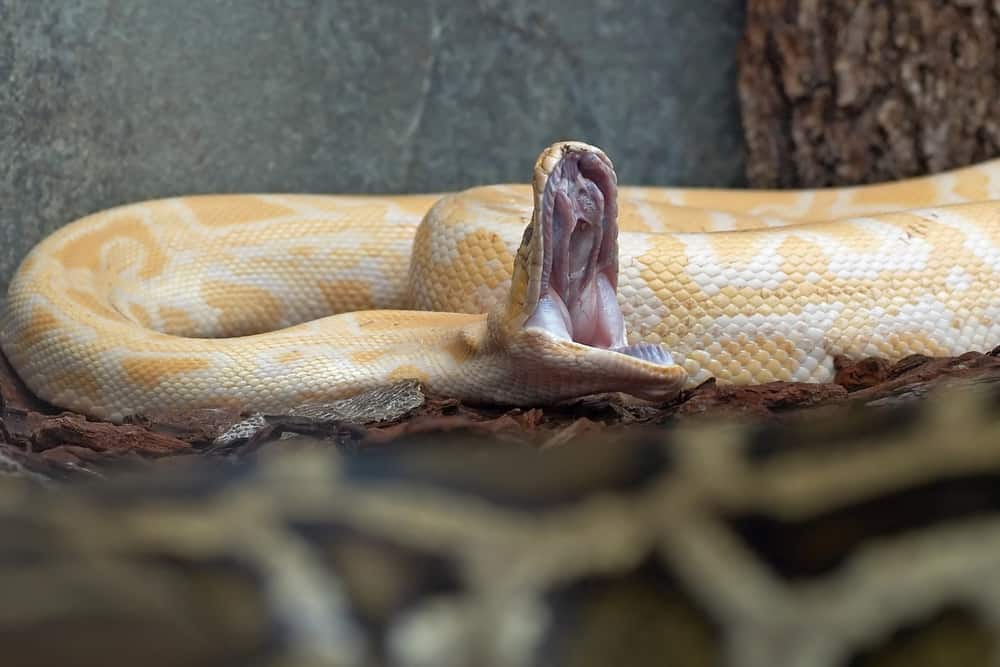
<point x="562" y="323"/>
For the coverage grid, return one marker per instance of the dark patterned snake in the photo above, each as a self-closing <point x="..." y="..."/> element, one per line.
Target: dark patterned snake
<point x="824" y="541"/>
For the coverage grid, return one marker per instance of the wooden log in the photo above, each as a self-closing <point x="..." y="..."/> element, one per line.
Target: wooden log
<point x="840" y="92"/>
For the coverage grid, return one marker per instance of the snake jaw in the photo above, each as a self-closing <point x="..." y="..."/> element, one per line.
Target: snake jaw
<point x="563" y="297"/>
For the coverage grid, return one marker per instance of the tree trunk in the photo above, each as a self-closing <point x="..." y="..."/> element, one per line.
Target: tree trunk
<point x="839" y="92"/>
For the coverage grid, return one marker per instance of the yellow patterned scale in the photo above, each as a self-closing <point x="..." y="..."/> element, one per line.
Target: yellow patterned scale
<point x="517" y="294"/>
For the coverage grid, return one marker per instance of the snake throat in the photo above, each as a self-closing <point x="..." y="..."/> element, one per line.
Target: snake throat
<point x="578" y="219"/>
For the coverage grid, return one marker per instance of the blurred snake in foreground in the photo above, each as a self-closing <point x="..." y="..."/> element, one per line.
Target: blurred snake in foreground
<point x="502" y="294"/>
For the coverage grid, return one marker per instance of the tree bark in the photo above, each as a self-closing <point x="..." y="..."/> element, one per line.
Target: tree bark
<point x="839" y="92"/>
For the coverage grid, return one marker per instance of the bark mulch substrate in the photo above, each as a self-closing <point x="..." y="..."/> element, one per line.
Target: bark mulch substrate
<point x="43" y="442"/>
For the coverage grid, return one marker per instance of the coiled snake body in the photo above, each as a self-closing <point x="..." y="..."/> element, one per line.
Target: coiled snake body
<point x="501" y="294"/>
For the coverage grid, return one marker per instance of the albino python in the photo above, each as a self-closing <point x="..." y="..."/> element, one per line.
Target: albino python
<point x="233" y="300"/>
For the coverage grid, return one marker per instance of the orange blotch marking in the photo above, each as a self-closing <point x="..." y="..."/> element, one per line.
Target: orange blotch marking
<point x="38" y="328"/>
<point x="378" y="320"/>
<point x="80" y="378"/>
<point x="344" y="296"/>
<point x="375" y="208"/>
<point x="416" y="205"/>
<point x="93" y="304"/>
<point x="629" y="218"/>
<point x="821" y="206"/>
<point x="28" y="264"/>
<point x="986" y="217"/>
<point x="290" y="356"/>
<point x="224" y="210"/>
<point x="759" y="202"/>
<point x="387" y="320"/>
<point x="88" y="250"/>
<point x="141" y="315"/>
<point x="243" y="309"/>
<point x="849" y="232"/>
<point x="487" y="256"/>
<point x="801" y="257"/>
<point x="912" y="342"/>
<point x="735" y="247"/>
<point x="407" y="372"/>
<point x="973" y="185"/>
<point x="912" y="193"/>
<point x="459" y="349"/>
<point x="509" y="201"/>
<point x="368" y="356"/>
<point x="687" y="218"/>
<point x="175" y="321"/>
<point x="150" y="373"/>
<point x="313" y="397"/>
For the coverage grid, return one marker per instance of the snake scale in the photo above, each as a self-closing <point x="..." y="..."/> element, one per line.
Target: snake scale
<point x="502" y="294"/>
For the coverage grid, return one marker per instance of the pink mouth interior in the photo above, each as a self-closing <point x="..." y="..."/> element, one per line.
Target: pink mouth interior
<point x="579" y="221"/>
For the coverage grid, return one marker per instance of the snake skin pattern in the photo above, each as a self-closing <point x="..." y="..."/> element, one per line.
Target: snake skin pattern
<point x="828" y="541"/>
<point x="523" y="295"/>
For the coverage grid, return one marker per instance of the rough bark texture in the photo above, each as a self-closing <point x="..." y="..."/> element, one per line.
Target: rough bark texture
<point x="838" y="92"/>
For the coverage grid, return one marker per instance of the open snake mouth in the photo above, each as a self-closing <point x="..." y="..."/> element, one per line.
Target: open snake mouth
<point x="578" y="219"/>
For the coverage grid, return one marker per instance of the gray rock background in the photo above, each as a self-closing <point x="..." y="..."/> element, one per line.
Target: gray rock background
<point x="104" y="102"/>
